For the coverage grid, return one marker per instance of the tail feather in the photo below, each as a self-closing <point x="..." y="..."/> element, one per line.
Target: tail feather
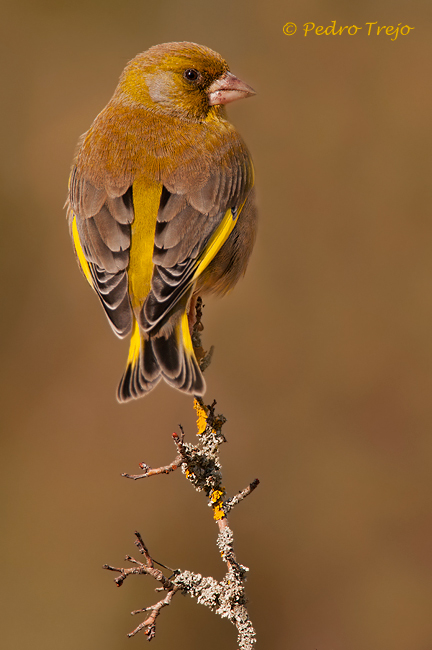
<point x="190" y="379"/>
<point x="170" y="357"/>
<point x="148" y="364"/>
<point x="168" y="354"/>
<point x="136" y="381"/>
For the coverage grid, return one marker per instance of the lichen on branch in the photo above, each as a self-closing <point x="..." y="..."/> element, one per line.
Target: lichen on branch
<point x="200" y="463"/>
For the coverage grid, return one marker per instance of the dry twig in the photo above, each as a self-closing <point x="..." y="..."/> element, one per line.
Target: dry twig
<point x="201" y="465"/>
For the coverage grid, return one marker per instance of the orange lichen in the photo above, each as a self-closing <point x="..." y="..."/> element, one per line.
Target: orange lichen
<point x="216" y="499"/>
<point x="201" y="417"/>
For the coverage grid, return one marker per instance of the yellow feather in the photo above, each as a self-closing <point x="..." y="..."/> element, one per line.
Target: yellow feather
<point x="217" y="240"/>
<point x="185" y="334"/>
<point x="134" y="347"/>
<point x="80" y="253"/>
<point x="146" y="199"/>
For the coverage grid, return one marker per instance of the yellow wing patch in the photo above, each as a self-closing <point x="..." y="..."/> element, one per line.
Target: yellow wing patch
<point x="146" y="199"/>
<point x="185" y="334"/>
<point x="216" y="241"/>
<point x="80" y="253"/>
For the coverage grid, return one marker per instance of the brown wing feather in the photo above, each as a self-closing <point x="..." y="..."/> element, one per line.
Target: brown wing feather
<point x="104" y="233"/>
<point x="184" y="226"/>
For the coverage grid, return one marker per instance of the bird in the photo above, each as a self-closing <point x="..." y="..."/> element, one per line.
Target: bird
<point x="161" y="207"/>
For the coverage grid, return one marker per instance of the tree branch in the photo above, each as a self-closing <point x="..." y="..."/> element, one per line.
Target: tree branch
<point x="201" y="466"/>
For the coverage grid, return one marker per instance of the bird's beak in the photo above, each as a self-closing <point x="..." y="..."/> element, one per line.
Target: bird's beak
<point x="227" y="89"/>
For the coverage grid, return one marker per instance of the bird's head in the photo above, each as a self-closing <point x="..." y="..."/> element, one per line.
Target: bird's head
<point x="181" y="79"/>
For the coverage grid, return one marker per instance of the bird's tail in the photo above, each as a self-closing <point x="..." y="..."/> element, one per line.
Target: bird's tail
<point x="170" y="357"/>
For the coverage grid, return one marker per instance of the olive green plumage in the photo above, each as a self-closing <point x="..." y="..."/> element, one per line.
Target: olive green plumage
<point x="161" y="206"/>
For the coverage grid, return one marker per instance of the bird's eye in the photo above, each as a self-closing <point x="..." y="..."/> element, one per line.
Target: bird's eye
<point x="191" y="74"/>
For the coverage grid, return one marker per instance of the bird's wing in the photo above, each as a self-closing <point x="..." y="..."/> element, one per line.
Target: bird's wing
<point x="144" y="249"/>
<point x="101" y="232"/>
<point x="191" y="228"/>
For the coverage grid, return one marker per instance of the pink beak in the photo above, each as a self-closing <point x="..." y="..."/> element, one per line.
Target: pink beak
<point x="228" y="88"/>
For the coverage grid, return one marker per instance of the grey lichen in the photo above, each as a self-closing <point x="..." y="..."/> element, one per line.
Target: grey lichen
<point x="201" y="465"/>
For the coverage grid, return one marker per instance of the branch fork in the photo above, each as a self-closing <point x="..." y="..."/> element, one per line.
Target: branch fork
<point x="201" y="466"/>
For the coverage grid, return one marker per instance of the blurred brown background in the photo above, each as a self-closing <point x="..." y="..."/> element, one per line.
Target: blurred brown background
<point x="323" y="353"/>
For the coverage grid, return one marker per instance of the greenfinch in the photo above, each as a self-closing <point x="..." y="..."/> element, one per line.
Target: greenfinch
<point x="161" y="207"/>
